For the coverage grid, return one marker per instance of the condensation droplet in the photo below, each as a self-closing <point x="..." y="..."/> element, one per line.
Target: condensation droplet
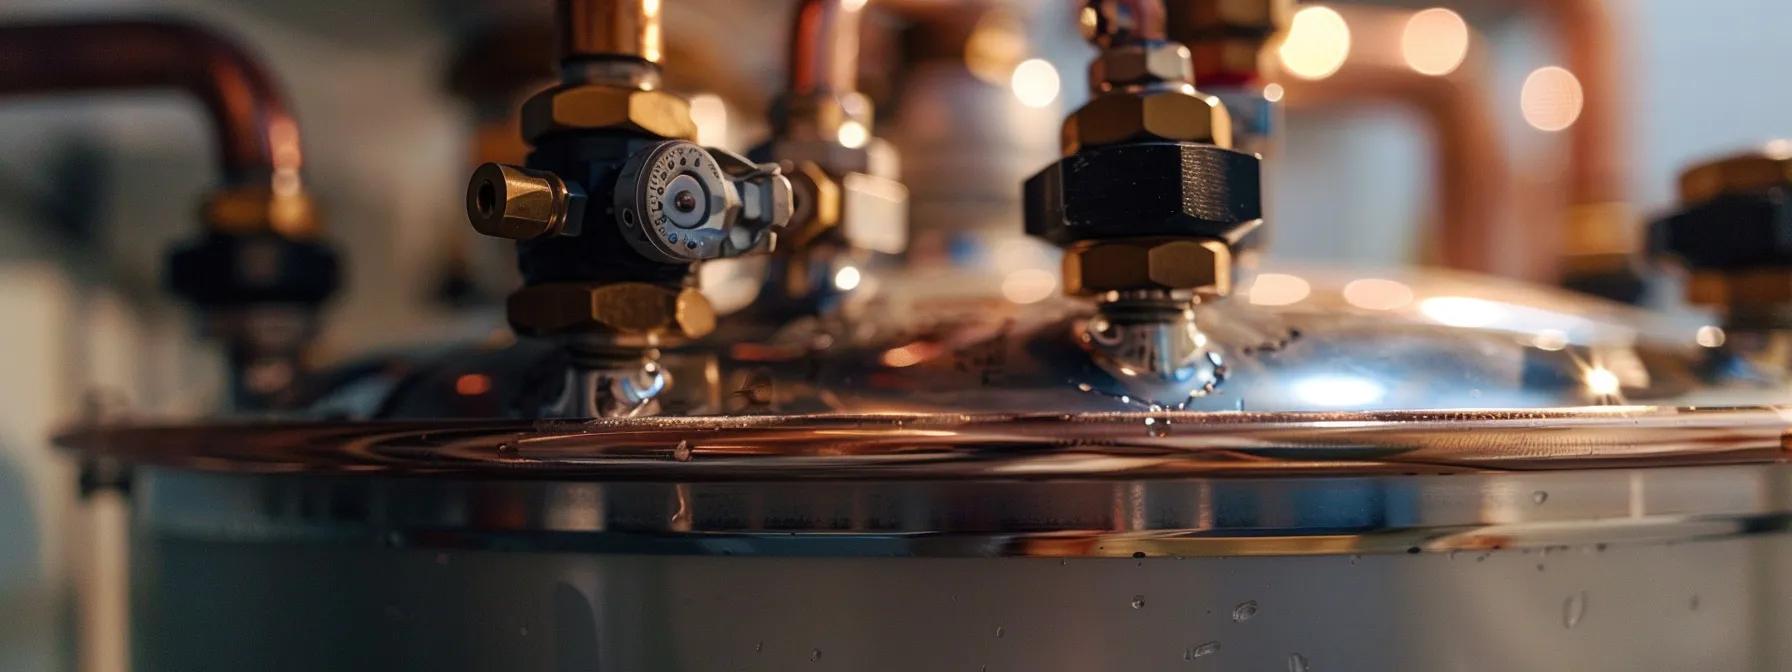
<point x="1693" y="603"/>
<point x="523" y="631"/>
<point x="1297" y="663"/>
<point x="1354" y="558"/>
<point x="1574" y="609"/>
<point x="759" y="647"/>
<point x="1138" y="601"/>
<point x="506" y="447"/>
<point x="1201" y="650"/>
<point x="682" y="451"/>
<point x="1000" y="631"/>
<point x="1244" y="611"/>
<point x="815" y="654"/>
<point x="1539" y="497"/>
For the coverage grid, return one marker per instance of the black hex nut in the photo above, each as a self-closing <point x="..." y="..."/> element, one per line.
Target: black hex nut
<point x="1146" y="189"/>
<point x="225" y="270"/>
<point x="1730" y="232"/>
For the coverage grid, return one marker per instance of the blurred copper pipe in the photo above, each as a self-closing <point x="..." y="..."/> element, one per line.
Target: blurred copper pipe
<point x="824" y="47"/>
<point x="1476" y="229"/>
<point x="610" y="28"/>
<point x="1599" y="230"/>
<point x="257" y="138"/>
<point x="1588" y="40"/>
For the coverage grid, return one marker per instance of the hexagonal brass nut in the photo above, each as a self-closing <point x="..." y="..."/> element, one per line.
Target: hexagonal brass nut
<point x="1738" y="174"/>
<point x="815" y="197"/>
<point x="627" y="308"/>
<point x="258" y="209"/>
<point x="1169" y="114"/>
<point x="1094" y="267"/>
<point x="595" y="107"/>
<point x="1740" y="289"/>
<point x="1140" y="63"/>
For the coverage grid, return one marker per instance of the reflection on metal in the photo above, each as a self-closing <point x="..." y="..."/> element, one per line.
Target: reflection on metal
<point x="1156" y="445"/>
<point x="1154" y="350"/>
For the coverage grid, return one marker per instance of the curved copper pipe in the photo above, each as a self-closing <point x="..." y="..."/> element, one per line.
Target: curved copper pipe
<point x="1477" y="229"/>
<point x="1587" y="41"/>
<point x="257" y="139"/>
<point x="824" y="47"/>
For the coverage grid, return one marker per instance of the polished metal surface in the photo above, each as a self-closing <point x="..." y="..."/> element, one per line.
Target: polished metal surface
<point x="905" y="446"/>
<point x="1138" y="516"/>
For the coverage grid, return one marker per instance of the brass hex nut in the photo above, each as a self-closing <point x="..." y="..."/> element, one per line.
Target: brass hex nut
<point x="1758" y="287"/>
<point x="258" y="209"/>
<point x="1176" y="113"/>
<point x="626" y="308"/>
<point x="1132" y="264"/>
<point x="595" y="107"/>
<point x="815" y="200"/>
<point x="1141" y="63"/>
<point x="1738" y="174"/>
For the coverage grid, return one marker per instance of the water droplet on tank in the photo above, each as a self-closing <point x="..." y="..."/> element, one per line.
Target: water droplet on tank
<point x="1138" y="601"/>
<point x="815" y="654"/>
<point x="523" y="631"/>
<point x="1297" y="663"/>
<point x="759" y="647"/>
<point x="1244" y="611"/>
<point x="1201" y="650"/>
<point x="1539" y="497"/>
<point x="1000" y="631"/>
<point x="506" y="447"/>
<point x="1574" y="609"/>
<point x="1693" y="603"/>
<point x="682" y="451"/>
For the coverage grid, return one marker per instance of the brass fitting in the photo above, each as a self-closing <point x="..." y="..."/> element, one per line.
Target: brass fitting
<point x="1095" y="267"/>
<point x="1141" y="63"/>
<point x="1741" y="173"/>
<point x="816" y="195"/>
<point x="655" y="313"/>
<point x="588" y="107"/>
<point x="1727" y="289"/>
<point x="254" y="209"/>
<point x="519" y="203"/>
<point x="611" y="28"/>
<point x="1169" y="113"/>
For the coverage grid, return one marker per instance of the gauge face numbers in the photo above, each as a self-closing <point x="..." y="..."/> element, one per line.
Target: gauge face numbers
<point x="683" y="203"/>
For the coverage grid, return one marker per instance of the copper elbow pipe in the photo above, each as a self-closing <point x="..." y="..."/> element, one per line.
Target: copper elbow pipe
<point x="1476" y="229"/>
<point x="611" y="28"/>
<point x="824" y="47"/>
<point x="257" y="138"/>
<point x="1587" y="40"/>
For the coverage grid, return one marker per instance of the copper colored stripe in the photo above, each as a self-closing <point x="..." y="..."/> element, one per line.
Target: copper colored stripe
<point x="611" y="28"/>
<point x="824" y="47"/>
<point x="257" y="138"/>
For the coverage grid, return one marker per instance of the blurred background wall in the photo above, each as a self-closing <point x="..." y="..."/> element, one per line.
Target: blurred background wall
<point x="92" y="191"/>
